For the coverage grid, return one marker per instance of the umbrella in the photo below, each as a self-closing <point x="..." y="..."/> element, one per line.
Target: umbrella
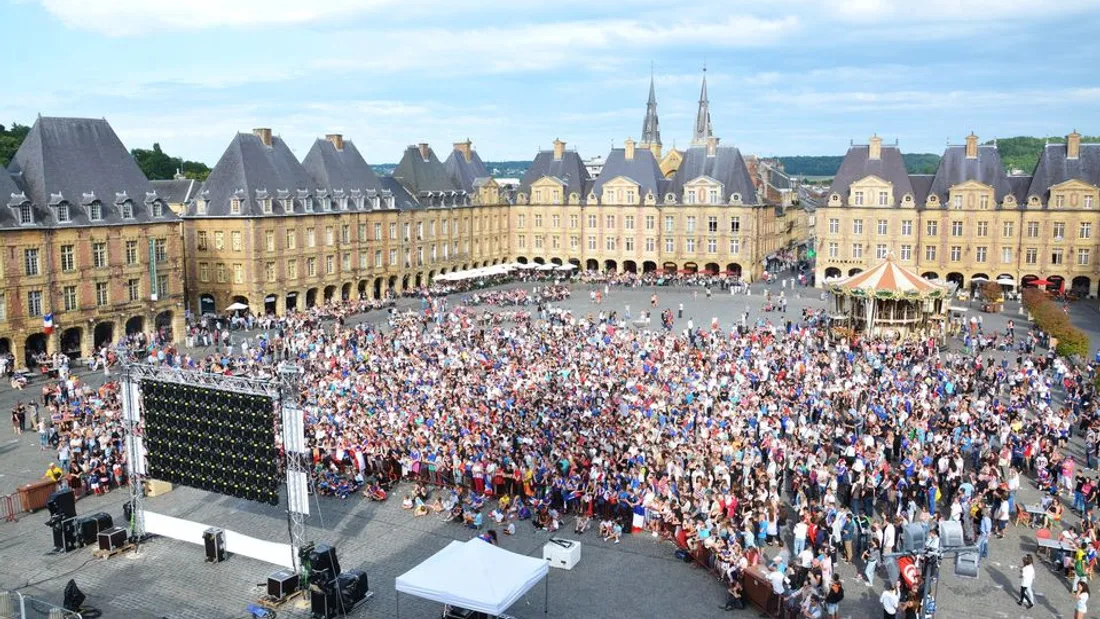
<point x="546" y="267"/>
<point x="1006" y="281"/>
<point x="979" y="279"/>
<point x="1040" y="282"/>
<point x="236" y="307"/>
<point x="567" y="267"/>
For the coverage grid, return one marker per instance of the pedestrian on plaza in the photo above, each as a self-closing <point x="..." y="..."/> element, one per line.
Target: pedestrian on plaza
<point x="680" y="311"/>
<point x="871" y="557"/>
<point x="1027" y="579"/>
<point x="890" y="601"/>
<point x="1081" y="600"/>
<point x="834" y="597"/>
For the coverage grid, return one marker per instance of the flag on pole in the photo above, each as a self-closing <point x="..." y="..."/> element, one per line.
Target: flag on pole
<point x="47" y="323"/>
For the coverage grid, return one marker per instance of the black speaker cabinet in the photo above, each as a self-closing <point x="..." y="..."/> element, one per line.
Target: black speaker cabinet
<point x="90" y="526"/>
<point x="62" y="502"/>
<point x="65" y="535"/>
<point x="112" y="538"/>
<point x="324" y="558"/>
<point x="214" y="541"/>
<point x="323" y="604"/>
<point x="352" y="587"/>
<point x="281" y="584"/>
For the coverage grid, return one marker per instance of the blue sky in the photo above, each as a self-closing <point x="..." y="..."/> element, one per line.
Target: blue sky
<point x="785" y="76"/>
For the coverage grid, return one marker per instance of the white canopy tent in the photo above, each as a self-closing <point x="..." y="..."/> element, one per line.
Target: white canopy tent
<point x="474" y="575"/>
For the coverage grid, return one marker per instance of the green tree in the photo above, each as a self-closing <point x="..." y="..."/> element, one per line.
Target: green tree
<point x="158" y="165"/>
<point x="10" y="139"/>
<point x="1022" y="152"/>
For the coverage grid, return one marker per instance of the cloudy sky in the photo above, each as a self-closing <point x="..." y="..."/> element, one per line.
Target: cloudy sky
<point x="786" y="76"/>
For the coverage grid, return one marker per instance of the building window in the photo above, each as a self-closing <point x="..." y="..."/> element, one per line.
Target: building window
<point x="420" y="231"/>
<point x="238" y="273"/>
<point x="538" y="220"/>
<point x="1083" y="257"/>
<point x="610" y="243"/>
<point x="670" y="223"/>
<point x="650" y="244"/>
<point x="930" y="253"/>
<point x="68" y="263"/>
<point x="521" y="241"/>
<point x="880" y="251"/>
<point x="407" y="229"/>
<point x="979" y="253"/>
<point x="983" y="201"/>
<point x="882" y="198"/>
<point x="393" y="257"/>
<point x="628" y="222"/>
<point x="690" y="226"/>
<point x="670" y="245"/>
<point x="857" y="198"/>
<point x="907" y="227"/>
<point x="882" y="227"/>
<point x="834" y="249"/>
<point x="689" y="245"/>
<point x="591" y="243"/>
<point x="133" y="289"/>
<point x="362" y="236"/>
<point x="1088" y="201"/>
<point x="235" y="239"/>
<point x="63" y="213"/>
<point x="1032" y="229"/>
<point x="202" y="241"/>
<point x="521" y="220"/>
<point x="1056" y="256"/>
<point x="957" y="202"/>
<point x="220" y="269"/>
<point x="160" y="250"/>
<point x="857" y="250"/>
<point x="932" y="228"/>
<point x="1059" y="200"/>
<point x="1006" y="255"/>
<point x="712" y="246"/>
<point x="330" y="236"/>
<point x="983" y="228"/>
<point x="346" y="261"/>
<point x="311" y="237"/>
<point x="162" y="285"/>
<point x="1059" y="230"/>
<point x="330" y="264"/>
<point x="378" y="231"/>
<point x="127" y="210"/>
<point x="99" y="255"/>
<point x="834" y="226"/>
<point x="95" y="212"/>
<point x="956" y="253"/>
<point x="235" y="206"/>
<point x="714" y="197"/>
<point x="650" y="222"/>
<point x="538" y="241"/>
<point x="906" y="253"/>
<point x="132" y="252"/>
<point x="1085" y="231"/>
<point x="204" y="271"/>
<point x="26" y="214"/>
<point x="857" y="226"/>
<point x="378" y="257"/>
<point x="68" y="297"/>
<point x="269" y="240"/>
<point x="34" y="303"/>
<point x="956" y="228"/>
<point x="1031" y="255"/>
<point x="269" y="271"/>
<point x="3" y="307"/>
<point x="101" y="294"/>
<point x="1008" y="229"/>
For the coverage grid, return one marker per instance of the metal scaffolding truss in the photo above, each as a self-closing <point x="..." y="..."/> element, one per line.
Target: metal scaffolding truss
<point x="284" y="389"/>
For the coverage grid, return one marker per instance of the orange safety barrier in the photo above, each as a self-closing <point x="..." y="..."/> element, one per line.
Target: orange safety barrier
<point x="10" y="506"/>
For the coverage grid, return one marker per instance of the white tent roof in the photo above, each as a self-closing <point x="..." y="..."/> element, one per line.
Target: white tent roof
<point x="475" y="575"/>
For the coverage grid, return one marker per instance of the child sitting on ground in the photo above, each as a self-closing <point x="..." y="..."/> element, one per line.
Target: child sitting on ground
<point x="407" y="502"/>
<point x="582" y="524"/>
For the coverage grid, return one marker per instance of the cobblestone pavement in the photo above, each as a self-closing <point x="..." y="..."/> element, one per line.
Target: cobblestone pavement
<point x="638" y="578"/>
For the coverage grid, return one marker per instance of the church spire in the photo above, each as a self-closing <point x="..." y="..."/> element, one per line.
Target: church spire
<point x="703" y="129"/>
<point x="651" y="127"/>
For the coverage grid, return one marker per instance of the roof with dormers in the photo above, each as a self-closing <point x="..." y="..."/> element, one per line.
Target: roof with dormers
<point x="956" y="168"/>
<point x="726" y="166"/>
<point x="569" y="170"/>
<point x="251" y="171"/>
<point x="81" y="161"/>
<point x="1055" y="168"/>
<point x="340" y="170"/>
<point x="421" y="175"/>
<point x="10" y="194"/>
<point x="464" y="172"/>
<point x="642" y="169"/>
<point x="857" y="165"/>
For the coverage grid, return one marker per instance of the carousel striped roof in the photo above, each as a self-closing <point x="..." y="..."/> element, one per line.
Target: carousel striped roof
<point x="890" y="278"/>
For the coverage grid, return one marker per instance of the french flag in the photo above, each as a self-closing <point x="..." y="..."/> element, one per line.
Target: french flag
<point x="47" y="323"/>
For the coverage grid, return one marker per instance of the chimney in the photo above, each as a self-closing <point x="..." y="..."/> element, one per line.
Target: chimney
<point x="874" y="150"/>
<point x="1073" y="145"/>
<point x="559" y="149"/>
<point x="264" y="134"/>
<point x="629" y="149"/>
<point x="424" y="150"/>
<point x="463" y="148"/>
<point x="712" y="146"/>
<point x="971" y="146"/>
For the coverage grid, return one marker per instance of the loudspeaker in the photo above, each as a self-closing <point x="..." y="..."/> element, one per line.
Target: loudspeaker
<point x="62" y="502"/>
<point x="323" y="604"/>
<point x="323" y="559"/>
<point x="214" y="541"/>
<point x="913" y="537"/>
<point x="112" y="538"/>
<point x="64" y="535"/>
<point x="951" y="534"/>
<point x="966" y="564"/>
<point x="352" y="587"/>
<point x="281" y="584"/>
<point x="90" y="526"/>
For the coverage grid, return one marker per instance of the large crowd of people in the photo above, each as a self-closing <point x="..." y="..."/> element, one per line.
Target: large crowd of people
<point x="763" y="444"/>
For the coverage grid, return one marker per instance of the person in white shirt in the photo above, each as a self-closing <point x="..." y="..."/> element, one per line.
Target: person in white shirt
<point x="889" y="534"/>
<point x="1027" y="578"/>
<point x="890" y="601"/>
<point x="800" y="531"/>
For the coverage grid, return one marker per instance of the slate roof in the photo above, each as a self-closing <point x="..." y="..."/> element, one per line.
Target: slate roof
<point x="857" y="165"/>
<point x="1054" y="168"/>
<point x="1019" y="186"/>
<point x="569" y="169"/>
<point x="955" y="168"/>
<point x="922" y="184"/>
<point x="340" y="170"/>
<point x="81" y="161"/>
<point x="463" y="173"/>
<point x="402" y="199"/>
<point x="247" y="170"/>
<point x="726" y="167"/>
<point x="642" y="169"/>
<point x="176" y="190"/>
<point x="419" y="174"/>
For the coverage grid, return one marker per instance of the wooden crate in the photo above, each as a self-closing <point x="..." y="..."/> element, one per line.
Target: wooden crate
<point x="156" y="487"/>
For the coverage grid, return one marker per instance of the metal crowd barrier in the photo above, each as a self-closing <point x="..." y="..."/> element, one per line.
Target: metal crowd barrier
<point x="10" y="508"/>
<point x="15" y="605"/>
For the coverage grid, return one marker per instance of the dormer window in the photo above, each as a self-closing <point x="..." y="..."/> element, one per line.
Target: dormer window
<point x="1088" y="201"/>
<point x="127" y="210"/>
<point x="957" y="202"/>
<point x="857" y="198"/>
<point x="309" y="205"/>
<point x="689" y="197"/>
<point x="26" y="215"/>
<point x="95" y="211"/>
<point x="235" y="206"/>
<point x="158" y="208"/>
<point x="326" y="204"/>
<point x="265" y="206"/>
<point x="288" y="205"/>
<point x="390" y="202"/>
<point x="376" y="202"/>
<point x="713" y="199"/>
<point x="735" y="197"/>
<point x="63" y="213"/>
<point x="343" y="204"/>
<point x="201" y="207"/>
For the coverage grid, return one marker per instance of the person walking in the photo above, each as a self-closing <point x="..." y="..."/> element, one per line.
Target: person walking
<point x="833" y="598"/>
<point x="890" y="601"/>
<point x="1027" y="579"/>
<point x="1081" y="603"/>
<point x="871" y="558"/>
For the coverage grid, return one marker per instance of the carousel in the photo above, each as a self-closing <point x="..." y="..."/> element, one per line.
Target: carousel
<point x="890" y="301"/>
